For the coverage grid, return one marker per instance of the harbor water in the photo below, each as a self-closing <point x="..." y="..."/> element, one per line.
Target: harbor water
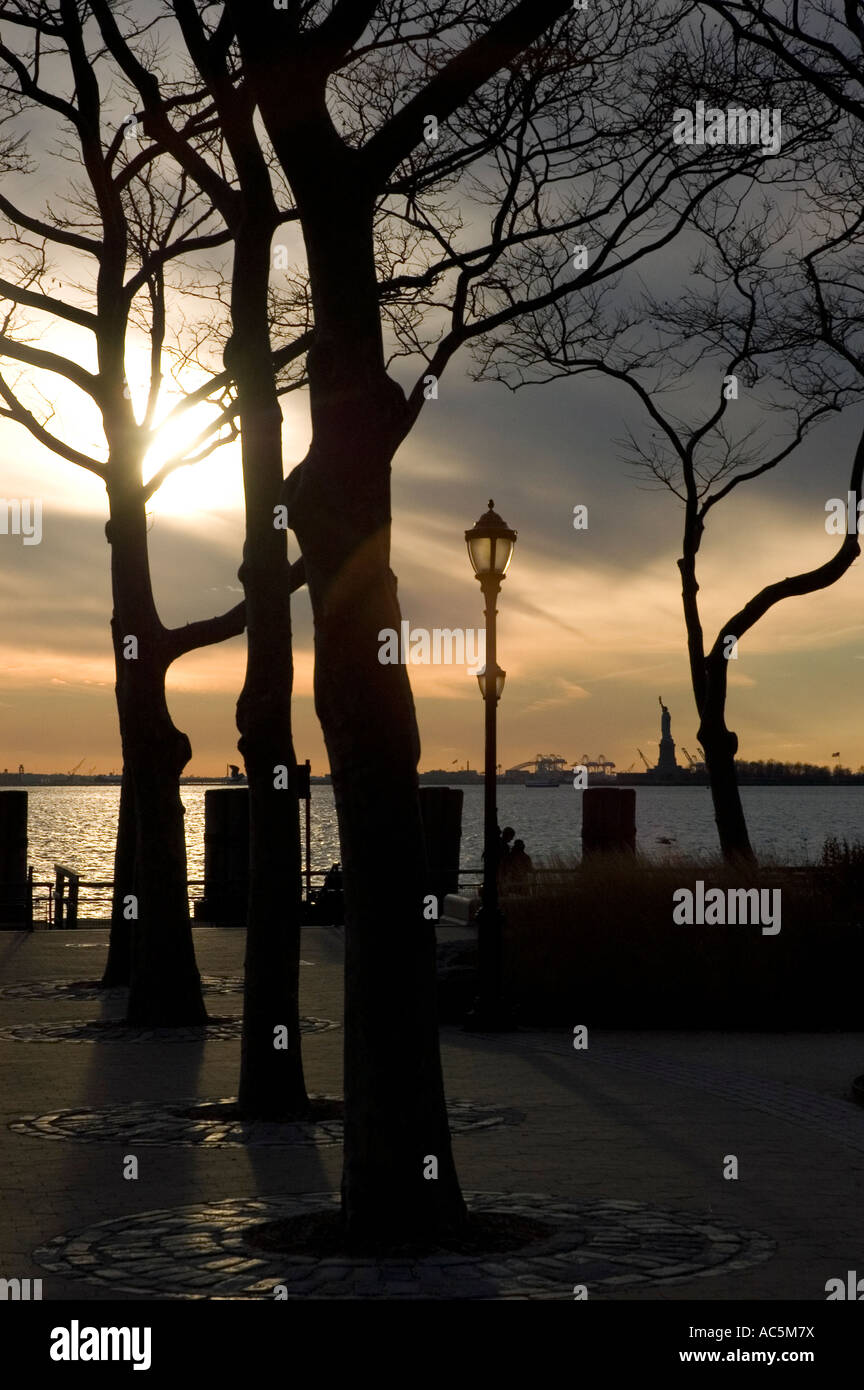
<point x="75" y="826"/>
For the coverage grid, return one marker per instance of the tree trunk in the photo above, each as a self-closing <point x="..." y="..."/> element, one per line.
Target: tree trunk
<point x="271" y="1069"/>
<point x="119" y="962"/>
<point x="395" y="1111"/>
<point x="721" y="745"/>
<point x="165" y="987"/>
<point x="720" y="748"/>
<point x="708" y="677"/>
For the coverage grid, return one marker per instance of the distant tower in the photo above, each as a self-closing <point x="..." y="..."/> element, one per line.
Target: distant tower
<point x="666" y="761"/>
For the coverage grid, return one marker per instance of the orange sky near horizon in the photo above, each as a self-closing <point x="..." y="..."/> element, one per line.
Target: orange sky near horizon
<point x="590" y="625"/>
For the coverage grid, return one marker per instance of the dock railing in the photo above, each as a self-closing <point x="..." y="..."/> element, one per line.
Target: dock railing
<point x="66" y="885"/>
<point x="68" y="900"/>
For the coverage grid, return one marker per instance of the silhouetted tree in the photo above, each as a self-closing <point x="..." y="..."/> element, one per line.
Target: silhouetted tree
<point x="378" y="114"/>
<point x="395" y="127"/>
<point x="753" y="327"/>
<point x="820" y="45"/>
<point x="238" y="187"/>
<point x="117" y="234"/>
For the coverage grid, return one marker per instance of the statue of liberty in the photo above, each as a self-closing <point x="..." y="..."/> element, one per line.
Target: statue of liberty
<point x="666" y="761"/>
<point x="665" y="720"/>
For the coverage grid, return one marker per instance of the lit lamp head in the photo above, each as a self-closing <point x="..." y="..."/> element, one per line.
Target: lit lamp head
<point x="500" y="677"/>
<point x="490" y="546"/>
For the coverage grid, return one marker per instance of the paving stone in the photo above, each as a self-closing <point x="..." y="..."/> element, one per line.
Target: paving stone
<point x="106" y="1030"/>
<point x="642" y="1134"/>
<point x="152" y="1123"/>
<point x="536" y="1268"/>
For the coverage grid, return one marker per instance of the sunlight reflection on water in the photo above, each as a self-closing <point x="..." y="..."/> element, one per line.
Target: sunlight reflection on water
<point x="76" y="825"/>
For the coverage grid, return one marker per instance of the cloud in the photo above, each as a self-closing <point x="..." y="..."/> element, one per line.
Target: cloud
<point x="582" y="614"/>
<point x="568" y="692"/>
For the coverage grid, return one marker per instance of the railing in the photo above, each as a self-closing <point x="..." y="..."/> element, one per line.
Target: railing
<point x="67" y="898"/>
<point x="66" y="884"/>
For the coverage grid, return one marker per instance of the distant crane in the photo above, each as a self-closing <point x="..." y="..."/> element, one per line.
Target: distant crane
<point x="696" y="764"/>
<point x="648" y="767"/>
<point x="544" y="764"/>
<point x="73" y="770"/>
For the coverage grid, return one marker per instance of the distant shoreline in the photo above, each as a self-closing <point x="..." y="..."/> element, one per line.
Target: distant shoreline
<point x="59" y="779"/>
<point x="438" y="779"/>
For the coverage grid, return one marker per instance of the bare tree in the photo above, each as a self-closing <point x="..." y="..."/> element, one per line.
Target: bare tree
<point x="395" y="128"/>
<point x="234" y="180"/>
<point x="742" y="322"/>
<point x="514" y="96"/>
<point x="820" y="45"/>
<point x="116" y="235"/>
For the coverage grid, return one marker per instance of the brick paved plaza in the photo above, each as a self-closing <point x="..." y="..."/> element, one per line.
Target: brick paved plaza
<point x="621" y="1147"/>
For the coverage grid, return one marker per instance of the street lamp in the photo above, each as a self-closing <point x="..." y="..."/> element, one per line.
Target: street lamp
<point x="500" y="677"/>
<point x="490" y="550"/>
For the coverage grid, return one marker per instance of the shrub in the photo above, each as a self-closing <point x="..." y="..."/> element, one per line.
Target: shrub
<point x="596" y="943"/>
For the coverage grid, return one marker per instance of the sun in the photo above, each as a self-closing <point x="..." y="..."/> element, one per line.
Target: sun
<point x="215" y="484"/>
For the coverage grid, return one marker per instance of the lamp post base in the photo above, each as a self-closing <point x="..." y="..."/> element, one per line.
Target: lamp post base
<point x="490" y="1013"/>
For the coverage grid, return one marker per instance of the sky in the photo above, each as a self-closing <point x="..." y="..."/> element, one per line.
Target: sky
<point x="590" y="623"/>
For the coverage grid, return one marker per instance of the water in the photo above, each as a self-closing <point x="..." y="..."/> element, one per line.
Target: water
<point x="788" y="824"/>
<point x="76" y="825"/>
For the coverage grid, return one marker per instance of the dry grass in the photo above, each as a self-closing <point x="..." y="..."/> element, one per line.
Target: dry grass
<point x="597" y="943"/>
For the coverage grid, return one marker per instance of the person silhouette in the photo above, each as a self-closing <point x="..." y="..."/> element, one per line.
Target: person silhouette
<point x="519" y="865"/>
<point x="502" y="844"/>
<point x="504" y="850"/>
<point x="331" y="901"/>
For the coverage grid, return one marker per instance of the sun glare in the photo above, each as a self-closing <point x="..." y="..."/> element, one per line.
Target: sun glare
<point x="215" y="484"/>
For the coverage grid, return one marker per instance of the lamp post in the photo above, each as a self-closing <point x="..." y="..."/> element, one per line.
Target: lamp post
<point x="490" y="549"/>
<point x="500" y="677"/>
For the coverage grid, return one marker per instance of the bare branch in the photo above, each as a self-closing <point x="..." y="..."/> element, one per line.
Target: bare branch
<point x="16" y="411"/>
